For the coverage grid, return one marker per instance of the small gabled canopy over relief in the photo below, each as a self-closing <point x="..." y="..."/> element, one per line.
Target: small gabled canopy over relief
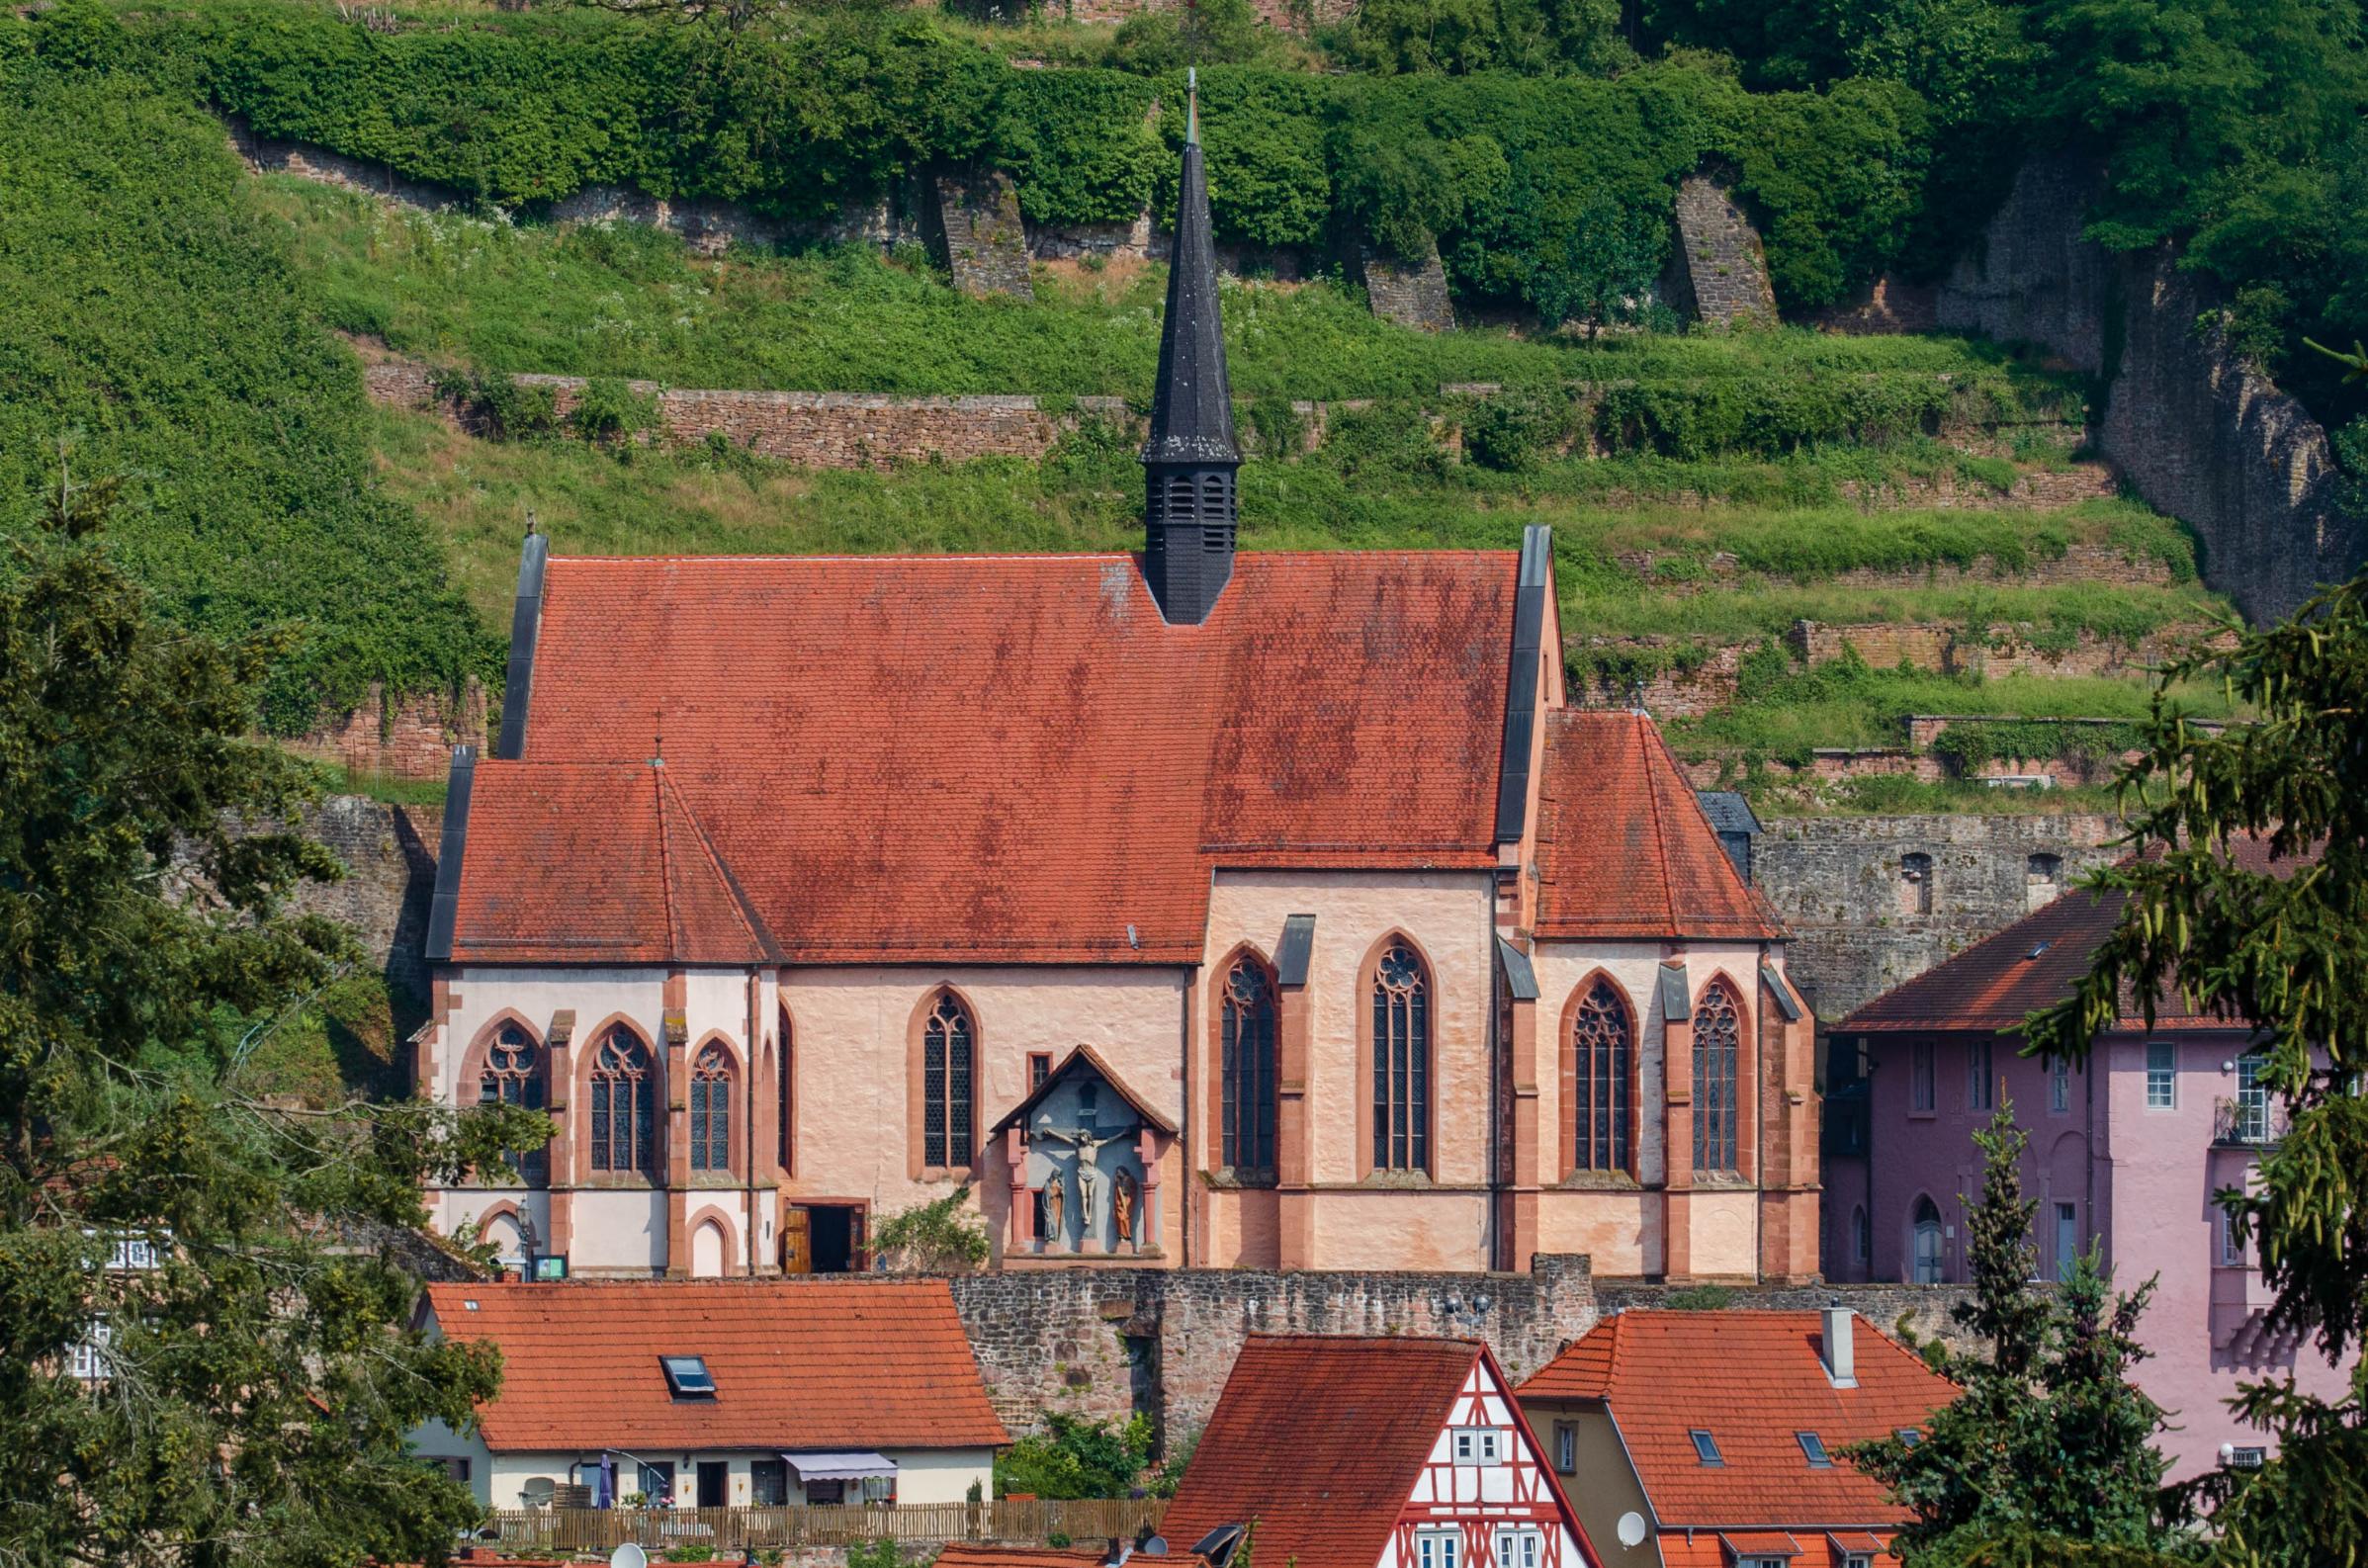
<point x="1080" y="1063"/>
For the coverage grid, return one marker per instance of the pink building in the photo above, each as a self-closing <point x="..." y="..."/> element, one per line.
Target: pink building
<point x="2127" y="1153"/>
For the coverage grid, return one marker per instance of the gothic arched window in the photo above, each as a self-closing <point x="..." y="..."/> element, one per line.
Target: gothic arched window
<point x="1718" y="1045"/>
<point x="1603" y="1054"/>
<point x="513" y="1076"/>
<point x="946" y="1064"/>
<point x="711" y="1110"/>
<point x="1246" y="1070"/>
<point x="1401" y="1062"/>
<point x="623" y="1098"/>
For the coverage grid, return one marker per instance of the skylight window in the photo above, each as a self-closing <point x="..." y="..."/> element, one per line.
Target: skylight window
<point x="1812" y="1448"/>
<point x="1910" y="1435"/>
<point x="687" y="1376"/>
<point x="1706" y="1448"/>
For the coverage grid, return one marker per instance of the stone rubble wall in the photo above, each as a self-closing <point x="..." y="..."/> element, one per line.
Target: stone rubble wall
<point x="2196" y="430"/>
<point x="412" y="739"/>
<point x="1414" y="296"/>
<point x="1836" y="883"/>
<point x="1718" y="272"/>
<point x="986" y="244"/>
<point x="1288" y="16"/>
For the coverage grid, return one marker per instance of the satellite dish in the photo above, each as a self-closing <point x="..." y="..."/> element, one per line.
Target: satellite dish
<point x="628" y="1557"/>
<point x="1632" y="1533"/>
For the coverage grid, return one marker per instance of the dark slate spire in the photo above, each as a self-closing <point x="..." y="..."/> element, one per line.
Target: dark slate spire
<point x="1189" y="510"/>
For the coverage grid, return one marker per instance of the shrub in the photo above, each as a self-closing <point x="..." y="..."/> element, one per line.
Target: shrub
<point x="1513" y="431"/>
<point x="933" y="1238"/>
<point x="607" y="410"/>
<point x="1073" y="1459"/>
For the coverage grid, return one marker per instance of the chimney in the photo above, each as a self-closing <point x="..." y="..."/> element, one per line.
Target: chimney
<point x="1117" y="1552"/>
<point x="1839" y="1348"/>
<point x="1190" y="508"/>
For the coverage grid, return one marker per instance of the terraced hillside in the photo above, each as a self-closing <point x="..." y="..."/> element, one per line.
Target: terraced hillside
<point x="1790" y="546"/>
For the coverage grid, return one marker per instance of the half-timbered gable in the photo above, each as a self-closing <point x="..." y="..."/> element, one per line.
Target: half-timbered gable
<point x="1382" y="1452"/>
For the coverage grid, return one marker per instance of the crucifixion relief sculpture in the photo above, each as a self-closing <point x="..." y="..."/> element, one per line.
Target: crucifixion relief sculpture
<point x="1086" y="1141"/>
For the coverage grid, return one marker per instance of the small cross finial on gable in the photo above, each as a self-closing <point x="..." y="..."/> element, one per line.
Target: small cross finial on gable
<point x="532" y="527"/>
<point x="658" y="740"/>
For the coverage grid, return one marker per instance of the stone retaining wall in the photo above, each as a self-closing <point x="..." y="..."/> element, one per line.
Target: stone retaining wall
<point x="1717" y="273"/>
<point x="411" y="740"/>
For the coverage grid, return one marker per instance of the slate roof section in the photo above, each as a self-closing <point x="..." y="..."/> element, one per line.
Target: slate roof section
<point x="1666" y="1373"/>
<point x="803" y="1364"/>
<point x="1625" y="849"/>
<point x="1319" y="1439"/>
<point x="2037" y="962"/>
<point x="1191" y="407"/>
<point x="933" y="759"/>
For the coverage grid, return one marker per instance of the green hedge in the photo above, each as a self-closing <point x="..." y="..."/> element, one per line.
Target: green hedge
<point x="150" y="318"/>
<point x="1544" y="190"/>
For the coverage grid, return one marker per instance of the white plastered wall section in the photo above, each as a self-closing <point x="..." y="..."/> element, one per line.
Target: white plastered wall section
<point x="851" y="1031"/>
<point x="508" y="1480"/>
<point x="1623" y="1230"/>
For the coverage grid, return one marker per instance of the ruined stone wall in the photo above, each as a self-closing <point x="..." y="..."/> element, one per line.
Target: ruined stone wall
<point x="1290" y="15"/>
<point x="986" y="244"/>
<point x="412" y="739"/>
<point x="2196" y="431"/>
<point x="1858" y="925"/>
<point x="1718" y="272"/>
<point x="1410" y="295"/>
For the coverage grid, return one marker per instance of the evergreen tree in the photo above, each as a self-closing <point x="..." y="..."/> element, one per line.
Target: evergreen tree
<point x="242" y="1396"/>
<point x="2284" y="953"/>
<point x="2047" y="1454"/>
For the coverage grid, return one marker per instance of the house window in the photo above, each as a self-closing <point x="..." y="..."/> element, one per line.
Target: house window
<point x="1706" y="1446"/>
<point x="2249" y="1458"/>
<point x="687" y="1376"/>
<point x="2042" y="875"/>
<point x="623" y="1132"/>
<point x="1603" y="1050"/>
<point x="2161" y="1075"/>
<point x="1479" y="1444"/>
<point x="1927" y="1238"/>
<point x="768" y="1483"/>
<point x="1401" y="1062"/>
<point x="2252" y="1101"/>
<point x="513" y="1076"/>
<point x="1915" y="884"/>
<point x="1246" y="1069"/>
<point x="656" y="1481"/>
<point x="711" y="1110"/>
<point x="1566" y="1447"/>
<point x="1858" y="1559"/>
<point x="1717" y="1042"/>
<point x="1922" y="1089"/>
<point x="2060" y="1085"/>
<point x="2067" y="1239"/>
<point x="1039" y="1068"/>
<point x="2231" y="1245"/>
<point x="1862" y="1239"/>
<point x="1812" y="1448"/>
<point x="1436" y="1548"/>
<point x="88" y="1360"/>
<point x="1520" y="1548"/>
<point x="1978" y="1083"/>
<point x="453" y="1467"/>
<point x="946" y="1047"/>
<point x="133" y="1252"/>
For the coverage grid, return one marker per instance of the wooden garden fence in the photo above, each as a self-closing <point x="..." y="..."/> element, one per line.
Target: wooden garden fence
<point x="1029" y="1521"/>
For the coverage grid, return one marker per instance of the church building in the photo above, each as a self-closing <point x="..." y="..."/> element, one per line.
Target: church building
<point x="1189" y="908"/>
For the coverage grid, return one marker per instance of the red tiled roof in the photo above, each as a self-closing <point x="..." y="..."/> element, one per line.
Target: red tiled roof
<point x="1760" y="1542"/>
<point x="927" y="758"/>
<point x="1752" y="1379"/>
<point x="2037" y="962"/>
<point x="1624" y="847"/>
<point x="797" y="1364"/>
<point x="978" y="1554"/>
<point x="1319" y="1439"/>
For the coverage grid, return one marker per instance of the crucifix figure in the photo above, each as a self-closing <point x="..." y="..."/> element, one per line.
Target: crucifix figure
<point x="1086" y="1141"/>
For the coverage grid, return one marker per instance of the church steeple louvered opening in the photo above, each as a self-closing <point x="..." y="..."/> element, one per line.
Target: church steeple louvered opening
<point x="1190" y="511"/>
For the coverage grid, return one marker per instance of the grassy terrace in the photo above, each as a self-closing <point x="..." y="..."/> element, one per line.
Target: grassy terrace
<point x="628" y="301"/>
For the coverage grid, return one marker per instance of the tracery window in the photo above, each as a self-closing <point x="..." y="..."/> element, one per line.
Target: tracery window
<point x="711" y="1110"/>
<point x="1246" y="1070"/>
<point x="946" y="1064"/>
<point x="513" y="1076"/>
<point x="1401" y="1062"/>
<point x="1717" y="1042"/>
<point x="622" y="1102"/>
<point x="1603" y="1050"/>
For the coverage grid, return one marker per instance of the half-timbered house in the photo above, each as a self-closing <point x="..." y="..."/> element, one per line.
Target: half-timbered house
<point x="1335" y="1451"/>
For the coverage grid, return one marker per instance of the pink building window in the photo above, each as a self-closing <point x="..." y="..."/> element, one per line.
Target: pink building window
<point x="1980" y="1086"/>
<point x="1718" y="1049"/>
<point x="946" y="1064"/>
<point x="1602" y="1044"/>
<point x="1245" y="1071"/>
<point x="1401" y="1062"/>
<point x="623" y="1127"/>
<point x="711" y="1110"/>
<point x="1921" y="1091"/>
<point x="513" y="1076"/>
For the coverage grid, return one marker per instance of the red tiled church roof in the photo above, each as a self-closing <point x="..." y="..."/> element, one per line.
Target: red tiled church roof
<point x="1752" y="1379"/>
<point x="1319" y="1439"/>
<point x="804" y="1364"/>
<point x="980" y="1555"/>
<point x="2037" y="962"/>
<point x="1625" y="849"/>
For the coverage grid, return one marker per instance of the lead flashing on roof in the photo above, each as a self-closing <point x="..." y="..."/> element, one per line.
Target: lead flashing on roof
<point x="1676" y="1002"/>
<point x="526" y="625"/>
<point x="1787" y="1003"/>
<point x="1520" y="979"/>
<point x="1518" y="760"/>
<point x="444" y="908"/>
<point x="1298" y="947"/>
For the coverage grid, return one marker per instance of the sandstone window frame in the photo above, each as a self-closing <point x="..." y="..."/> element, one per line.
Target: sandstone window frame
<point x="1246" y="1020"/>
<point x="512" y="1066"/>
<point x="945" y="1022"/>
<point x="1397" y="1060"/>
<point x="1601" y="1064"/>
<point x="1720" y="1026"/>
<point x="714" y="1140"/>
<point x="622" y="1061"/>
